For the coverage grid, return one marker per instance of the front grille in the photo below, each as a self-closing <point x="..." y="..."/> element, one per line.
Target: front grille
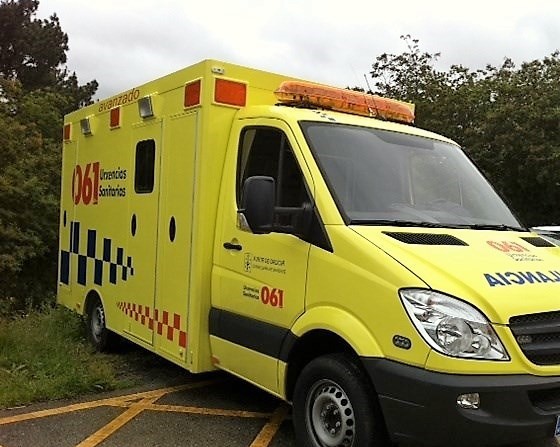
<point x="538" y="336"/>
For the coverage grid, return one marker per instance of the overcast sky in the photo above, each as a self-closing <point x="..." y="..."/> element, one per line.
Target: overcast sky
<point x="124" y="43"/>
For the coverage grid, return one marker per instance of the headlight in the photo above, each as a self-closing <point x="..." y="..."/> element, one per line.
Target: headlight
<point x="452" y="326"/>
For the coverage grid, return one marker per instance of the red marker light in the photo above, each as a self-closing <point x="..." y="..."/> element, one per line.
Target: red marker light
<point x="192" y="94"/>
<point x="115" y="118"/>
<point x="230" y="92"/>
<point x="67" y="132"/>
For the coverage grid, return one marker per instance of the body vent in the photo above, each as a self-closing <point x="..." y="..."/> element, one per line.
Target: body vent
<point x="425" y="238"/>
<point x="538" y="241"/>
<point x="538" y="336"/>
<point x="546" y="399"/>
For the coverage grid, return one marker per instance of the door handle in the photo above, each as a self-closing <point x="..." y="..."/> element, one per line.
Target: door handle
<point x="232" y="246"/>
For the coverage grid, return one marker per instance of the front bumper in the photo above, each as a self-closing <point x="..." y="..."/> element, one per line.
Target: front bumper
<point x="420" y="406"/>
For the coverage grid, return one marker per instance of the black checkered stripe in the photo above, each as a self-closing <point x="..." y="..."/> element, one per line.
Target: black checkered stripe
<point x="116" y="267"/>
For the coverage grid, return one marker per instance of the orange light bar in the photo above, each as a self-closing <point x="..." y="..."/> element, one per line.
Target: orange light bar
<point x="230" y="92"/>
<point x="341" y="100"/>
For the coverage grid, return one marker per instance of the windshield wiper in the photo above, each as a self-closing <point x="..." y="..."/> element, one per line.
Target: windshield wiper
<point x="499" y="227"/>
<point x="397" y="223"/>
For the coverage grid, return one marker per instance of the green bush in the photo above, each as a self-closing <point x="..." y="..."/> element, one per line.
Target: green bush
<point x="44" y="355"/>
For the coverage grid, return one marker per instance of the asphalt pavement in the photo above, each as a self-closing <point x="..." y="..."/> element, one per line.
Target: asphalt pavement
<point x="210" y="410"/>
<point x="173" y="409"/>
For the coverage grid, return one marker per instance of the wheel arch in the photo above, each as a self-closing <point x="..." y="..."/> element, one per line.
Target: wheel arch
<point x="91" y="297"/>
<point x="322" y="331"/>
<point x="311" y="345"/>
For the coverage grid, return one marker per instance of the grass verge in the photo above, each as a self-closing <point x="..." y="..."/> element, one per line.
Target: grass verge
<point x="45" y="356"/>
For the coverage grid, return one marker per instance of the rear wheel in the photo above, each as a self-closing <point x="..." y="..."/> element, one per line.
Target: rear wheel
<point x="98" y="334"/>
<point x="335" y="406"/>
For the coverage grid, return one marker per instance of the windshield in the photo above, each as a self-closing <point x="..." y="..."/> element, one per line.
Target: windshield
<point x="384" y="177"/>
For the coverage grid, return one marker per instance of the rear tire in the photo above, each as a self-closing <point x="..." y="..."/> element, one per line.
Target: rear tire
<point x="336" y="406"/>
<point x="100" y="337"/>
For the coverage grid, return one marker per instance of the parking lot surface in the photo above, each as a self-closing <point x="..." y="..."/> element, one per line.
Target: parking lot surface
<point x="207" y="410"/>
<point x="215" y="410"/>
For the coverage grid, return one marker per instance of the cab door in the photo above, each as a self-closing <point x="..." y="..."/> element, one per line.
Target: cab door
<point x="259" y="280"/>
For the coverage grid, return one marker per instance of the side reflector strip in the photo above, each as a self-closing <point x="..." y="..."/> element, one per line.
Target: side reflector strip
<point x="230" y="92"/>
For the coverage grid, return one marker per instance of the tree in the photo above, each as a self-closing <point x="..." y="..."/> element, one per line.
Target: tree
<point x="36" y="90"/>
<point x="507" y="118"/>
<point x="30" y="49"/>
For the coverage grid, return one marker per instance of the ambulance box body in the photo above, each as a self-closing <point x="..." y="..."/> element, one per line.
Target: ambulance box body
<point x="313" y="242"/>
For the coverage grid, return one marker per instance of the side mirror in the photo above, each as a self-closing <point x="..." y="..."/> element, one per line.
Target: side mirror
<point x="257" y="203"/>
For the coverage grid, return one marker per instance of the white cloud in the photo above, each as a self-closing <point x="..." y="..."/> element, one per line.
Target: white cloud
<point x="126" y="43"/>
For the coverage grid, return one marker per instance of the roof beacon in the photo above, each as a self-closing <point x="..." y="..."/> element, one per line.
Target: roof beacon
<point x="307" y="94"/>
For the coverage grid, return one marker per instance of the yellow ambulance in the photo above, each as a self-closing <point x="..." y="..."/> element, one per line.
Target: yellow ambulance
<point x="313" y="242"/>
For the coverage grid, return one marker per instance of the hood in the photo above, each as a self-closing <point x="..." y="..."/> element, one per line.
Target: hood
<point x="503" y="273"/>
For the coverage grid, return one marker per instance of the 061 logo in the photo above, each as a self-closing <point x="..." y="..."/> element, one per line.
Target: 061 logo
<point x="507" y="246"/>
<point x="85" y="184"/>
<point x="273" y="297"/>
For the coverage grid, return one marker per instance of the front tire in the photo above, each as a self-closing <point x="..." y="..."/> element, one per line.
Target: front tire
<point x="336" y="406"/>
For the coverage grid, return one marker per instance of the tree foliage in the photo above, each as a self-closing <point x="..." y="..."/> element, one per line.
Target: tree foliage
<point x="30" y="47"/>
<point x="36" y="90"/>
<point x="507" y="118"/>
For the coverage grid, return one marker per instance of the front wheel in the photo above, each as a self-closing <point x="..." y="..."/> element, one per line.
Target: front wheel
<point x="335" y="406"/>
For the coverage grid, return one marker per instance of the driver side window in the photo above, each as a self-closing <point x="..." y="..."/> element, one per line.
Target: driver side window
<point x="266" y="151"/>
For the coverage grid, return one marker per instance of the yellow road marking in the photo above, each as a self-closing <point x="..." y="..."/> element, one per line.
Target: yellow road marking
<point x="103" y="433"/>
<point x="264" y="438"/>
<point x="208" y="411"/>
<point x="136" y="403"/>
<point x="111" y="401"/>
